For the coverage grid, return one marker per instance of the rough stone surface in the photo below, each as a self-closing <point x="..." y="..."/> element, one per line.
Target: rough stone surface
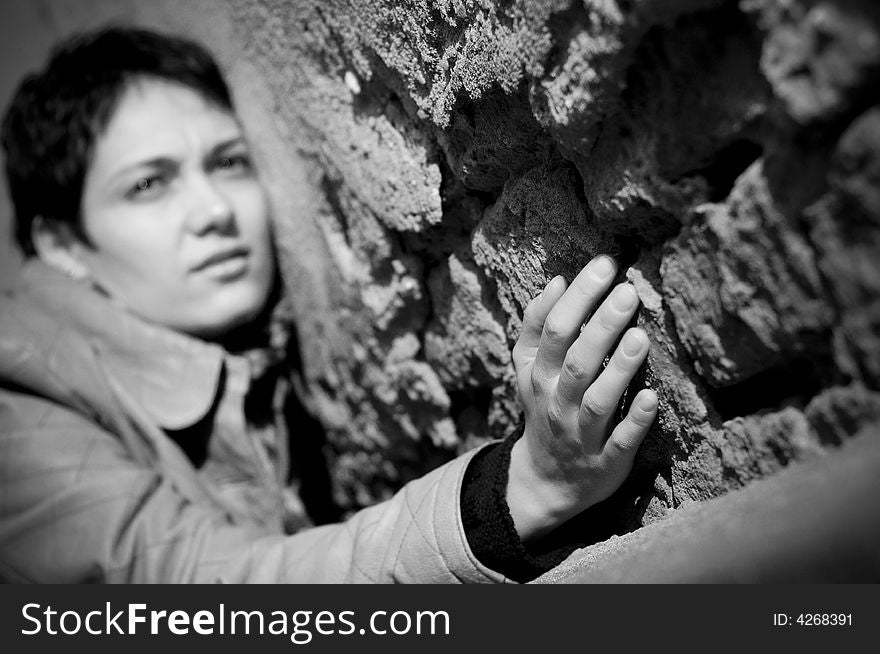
<point x="434" y="163"/>
<point x="760" y="300"/>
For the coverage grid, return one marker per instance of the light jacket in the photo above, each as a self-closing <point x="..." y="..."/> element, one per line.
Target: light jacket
<point x="92" y="488"/>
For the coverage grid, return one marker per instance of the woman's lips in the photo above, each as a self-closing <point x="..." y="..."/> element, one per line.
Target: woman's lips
<point x="224" y="264"/>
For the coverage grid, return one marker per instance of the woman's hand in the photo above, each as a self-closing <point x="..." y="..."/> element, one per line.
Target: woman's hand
<point x="572" y="454"/>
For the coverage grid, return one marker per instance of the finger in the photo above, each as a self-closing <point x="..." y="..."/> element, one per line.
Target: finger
<point x="533" y="320"/>
<point x="600" y="400"/>
<point x="621" y="447"/>
<point x="564" y="321"/>
<point x="584" y="358"/>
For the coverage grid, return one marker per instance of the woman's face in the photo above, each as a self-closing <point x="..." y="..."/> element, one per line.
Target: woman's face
<point x="176" y="216"/>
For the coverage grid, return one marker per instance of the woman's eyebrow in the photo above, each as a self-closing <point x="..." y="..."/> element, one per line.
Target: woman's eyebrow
<point x="226" y="144"/>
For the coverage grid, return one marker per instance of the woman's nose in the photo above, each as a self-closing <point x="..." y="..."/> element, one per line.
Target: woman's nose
<point x="209" y="209"/>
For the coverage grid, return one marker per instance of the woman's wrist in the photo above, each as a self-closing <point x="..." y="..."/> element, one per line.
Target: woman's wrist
<point x="536" y="505"/>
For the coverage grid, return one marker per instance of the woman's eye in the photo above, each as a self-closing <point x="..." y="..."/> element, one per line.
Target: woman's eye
<point x="146" y="187"/>
<point x="234" y="163"/>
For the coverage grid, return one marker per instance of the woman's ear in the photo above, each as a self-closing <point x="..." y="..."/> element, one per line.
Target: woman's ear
<point x="58" y="246"/>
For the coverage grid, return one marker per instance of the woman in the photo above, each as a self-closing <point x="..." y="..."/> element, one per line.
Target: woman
<point x="142" y="422"/>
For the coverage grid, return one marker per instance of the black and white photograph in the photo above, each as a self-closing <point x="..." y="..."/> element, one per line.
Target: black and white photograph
<point x="542" y="292"/>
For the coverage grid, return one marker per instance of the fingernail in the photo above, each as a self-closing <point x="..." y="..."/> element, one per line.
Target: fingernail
<point x="624" y="297"/>
<point x="602" y="266"/>
<point x="544" y="290"/>
<point x="647" y="402"/>
<point x="632" y="343"/>
<point x="547" y="287"/>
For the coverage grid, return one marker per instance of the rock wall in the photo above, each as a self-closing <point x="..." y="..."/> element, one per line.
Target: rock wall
<point x="728" y="154"/>
<point x="434" y="163"/>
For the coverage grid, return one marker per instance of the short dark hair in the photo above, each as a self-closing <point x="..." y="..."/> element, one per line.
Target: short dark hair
<point x="51" y="125"/>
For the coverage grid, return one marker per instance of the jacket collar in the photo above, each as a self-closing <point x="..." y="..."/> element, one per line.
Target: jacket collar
<point x="174" y="377"/>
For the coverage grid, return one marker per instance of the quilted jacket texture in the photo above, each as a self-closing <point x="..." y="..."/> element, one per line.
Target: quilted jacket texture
<point x="92" y="488"/>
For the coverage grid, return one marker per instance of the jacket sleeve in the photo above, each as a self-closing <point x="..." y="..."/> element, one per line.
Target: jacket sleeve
<point x="75" y="508"/>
